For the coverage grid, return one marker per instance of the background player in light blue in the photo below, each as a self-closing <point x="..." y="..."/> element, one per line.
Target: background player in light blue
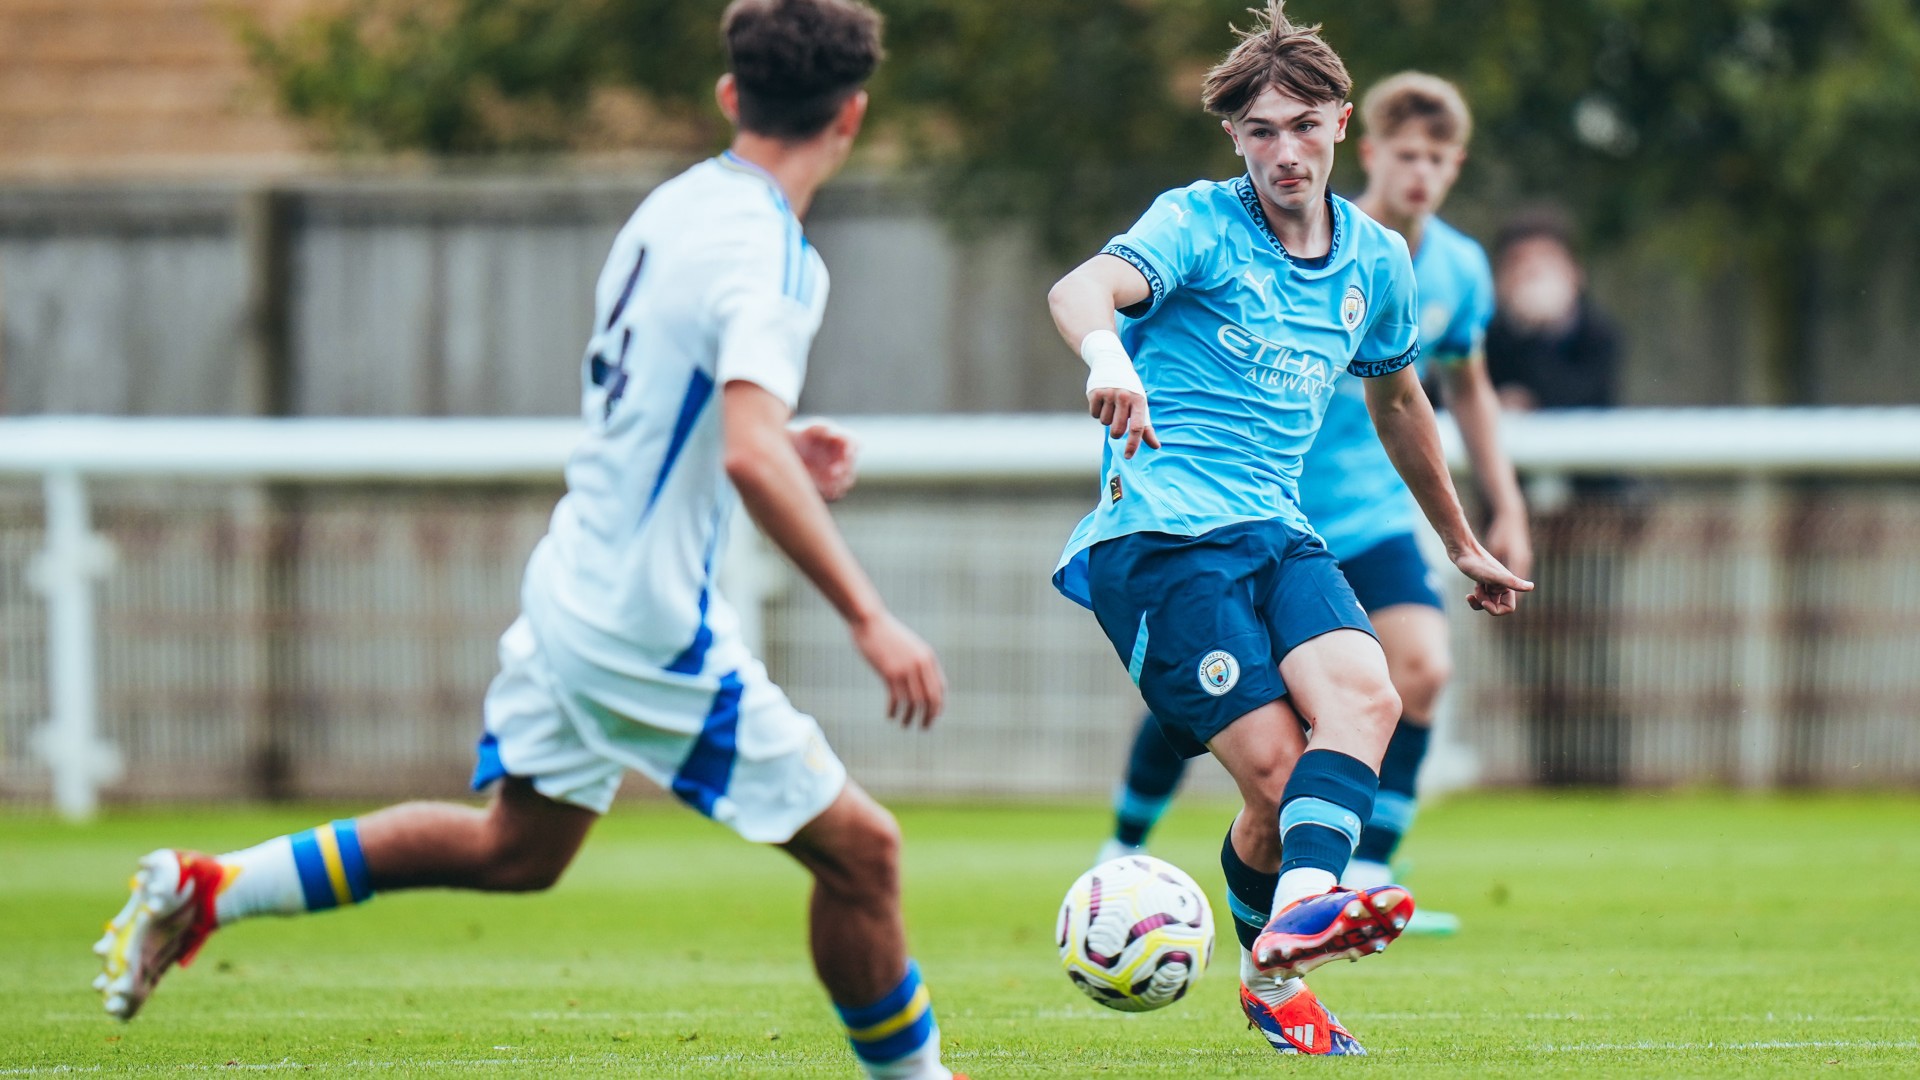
<point x="1416" y="132"/>
<point x="1242" y="302"/>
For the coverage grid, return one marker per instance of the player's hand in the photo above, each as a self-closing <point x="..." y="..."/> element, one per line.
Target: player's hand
<point x="1510" y="540"/>
<point x="830" y="454"/>
<point x="1124" y="412"/>
<point x="916" y="687"/>
<point x="1496" y="589"/>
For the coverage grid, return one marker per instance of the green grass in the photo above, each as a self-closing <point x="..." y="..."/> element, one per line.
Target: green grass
<point x="1668" y="935"/>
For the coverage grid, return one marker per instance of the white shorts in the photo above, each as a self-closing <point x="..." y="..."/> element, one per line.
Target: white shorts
<point x="733" y="748"/>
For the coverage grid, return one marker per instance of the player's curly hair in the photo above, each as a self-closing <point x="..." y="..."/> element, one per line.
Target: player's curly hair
<point x="796" y="62"/>
<point x="1275" y="54"/>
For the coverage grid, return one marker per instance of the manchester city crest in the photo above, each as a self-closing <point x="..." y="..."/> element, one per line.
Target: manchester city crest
<point x="1353" y="307"/>
<point x="1219" y="671"/>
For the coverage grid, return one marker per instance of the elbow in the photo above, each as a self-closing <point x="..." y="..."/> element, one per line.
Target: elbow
<point x="1386" y="408"/>
<point x="1068" y="295"/>
<point x="1408" y="397"/>
<point x="745" y="464"/>
<point x="1060" y="297"/>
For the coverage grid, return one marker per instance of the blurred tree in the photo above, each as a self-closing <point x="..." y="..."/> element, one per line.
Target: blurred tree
<point x="465" y="76"/>
<point x="1776" y="136"/>
<point x="1071" y="114"/>
<point x="1748" y="133"/>
<point x="1066" y="113"/>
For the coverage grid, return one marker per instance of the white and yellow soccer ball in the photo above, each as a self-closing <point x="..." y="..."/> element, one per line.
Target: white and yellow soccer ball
<point x="1135" y="933"/>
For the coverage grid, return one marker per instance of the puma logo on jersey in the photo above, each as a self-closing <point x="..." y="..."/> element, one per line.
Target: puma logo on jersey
<point x="1179" y="212"/>
<point x="1258" y="282"/>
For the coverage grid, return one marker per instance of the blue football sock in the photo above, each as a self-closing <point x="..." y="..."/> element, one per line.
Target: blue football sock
<point x="1394" y="806"/>
<point x="1326" y="799"/>
<point x="899" y="1027"/>
<point x="1249" y="893"/>
<point x="1154" y="769"/>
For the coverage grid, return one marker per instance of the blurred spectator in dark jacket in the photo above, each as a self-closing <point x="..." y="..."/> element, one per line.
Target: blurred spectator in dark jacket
<point x="1548" y="347"/>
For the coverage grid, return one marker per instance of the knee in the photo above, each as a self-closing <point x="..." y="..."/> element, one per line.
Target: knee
<point x="521" y="863"/>
<point x="1265" y="781"/>
<point x="1375" y="708"/>
<point x="1419" y="681"/>
<point x="865" y="862"/>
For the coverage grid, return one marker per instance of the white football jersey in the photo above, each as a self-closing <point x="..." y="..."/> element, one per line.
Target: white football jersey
<point x="710" y="281"/>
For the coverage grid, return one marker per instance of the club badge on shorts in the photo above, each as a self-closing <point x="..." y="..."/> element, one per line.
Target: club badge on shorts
<point x="1219" y="671"/>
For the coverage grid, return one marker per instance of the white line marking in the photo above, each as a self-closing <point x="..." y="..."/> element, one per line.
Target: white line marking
<point x="1811" y="1044"/>
<point x="286" y="1065"/>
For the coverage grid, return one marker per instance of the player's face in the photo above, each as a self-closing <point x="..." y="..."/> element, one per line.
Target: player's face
<point x="1288" y="144"/>
<point x="1411" y="171"/>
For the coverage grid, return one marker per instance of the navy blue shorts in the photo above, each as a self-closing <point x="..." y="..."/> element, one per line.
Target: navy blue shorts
<point x="1202" y="622"/>
<point x="1392" y="572"/>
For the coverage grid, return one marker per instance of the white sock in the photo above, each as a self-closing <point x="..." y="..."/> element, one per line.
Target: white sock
<point x="1366" y="874"/>
<point x="262" y="880"/>
<point x="1300" y="883"/>
<point x="1274" y="991"/>
<point x="922" y="1064"/>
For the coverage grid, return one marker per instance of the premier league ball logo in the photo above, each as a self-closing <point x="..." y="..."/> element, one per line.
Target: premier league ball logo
<point x="1219" y="671"/>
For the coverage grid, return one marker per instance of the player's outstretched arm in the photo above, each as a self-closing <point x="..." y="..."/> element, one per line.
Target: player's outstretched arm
<point x="776" y="488"/>
<point x="1084" y="306"/>
<point x="1404" y="420"/>
<point x="1476" y="409"/>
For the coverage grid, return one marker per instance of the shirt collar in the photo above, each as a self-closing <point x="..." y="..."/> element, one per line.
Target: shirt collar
<point x="730" y="160"/>
<point x="1250" y="200"/>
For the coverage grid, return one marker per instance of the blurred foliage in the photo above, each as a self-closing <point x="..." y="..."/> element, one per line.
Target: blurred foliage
<point x="1749" y="134"/>
<point x="1070" y="114"/>
<point x="1741" y="132"/>
<point x="1065" y="113"/>
<point x="374" y="74"/>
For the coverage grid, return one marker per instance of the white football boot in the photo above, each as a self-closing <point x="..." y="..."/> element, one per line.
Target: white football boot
<point x="164" y="923"/>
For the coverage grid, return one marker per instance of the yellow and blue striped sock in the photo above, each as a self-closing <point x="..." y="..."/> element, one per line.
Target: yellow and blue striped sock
<point x="315" y="870"/>
<point x="896" y="1037"/>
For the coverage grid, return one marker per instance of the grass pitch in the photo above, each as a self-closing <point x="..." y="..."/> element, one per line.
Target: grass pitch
<point x="1657" y="935"/>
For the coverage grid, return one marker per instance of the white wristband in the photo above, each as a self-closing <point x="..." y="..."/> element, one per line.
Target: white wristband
<point x="1108" y="365"/>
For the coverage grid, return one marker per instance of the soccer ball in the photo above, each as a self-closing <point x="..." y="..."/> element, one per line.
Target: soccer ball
<point x="1135" y="933"/>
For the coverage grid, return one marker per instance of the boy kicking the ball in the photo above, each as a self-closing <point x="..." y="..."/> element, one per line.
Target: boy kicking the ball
<point x="1231" y="309"/>
<point x="625" y="656"/>
<point x="1417" y="127"/>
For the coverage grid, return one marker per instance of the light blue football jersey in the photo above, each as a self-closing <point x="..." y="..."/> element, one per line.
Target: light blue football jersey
<point x="1239" y="346"/>
<point x="1348" y="487"/>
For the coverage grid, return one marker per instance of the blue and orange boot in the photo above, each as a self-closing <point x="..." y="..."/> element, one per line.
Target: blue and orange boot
<point x="1339" y="923"/>
<point x="165" y="921"/>
<point x="1299" y="1025"/>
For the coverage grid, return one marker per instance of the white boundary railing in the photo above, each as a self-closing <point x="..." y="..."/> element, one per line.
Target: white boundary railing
<point x="63" y="452"/>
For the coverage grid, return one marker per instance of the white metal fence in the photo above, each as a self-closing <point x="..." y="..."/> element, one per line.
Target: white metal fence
<point x="208" y="609"/>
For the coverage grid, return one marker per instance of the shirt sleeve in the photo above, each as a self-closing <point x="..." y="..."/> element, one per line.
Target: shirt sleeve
<point x="764" y="305"/>
<point x="1162" y="246"/>
<point x="1392" y="340"/>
